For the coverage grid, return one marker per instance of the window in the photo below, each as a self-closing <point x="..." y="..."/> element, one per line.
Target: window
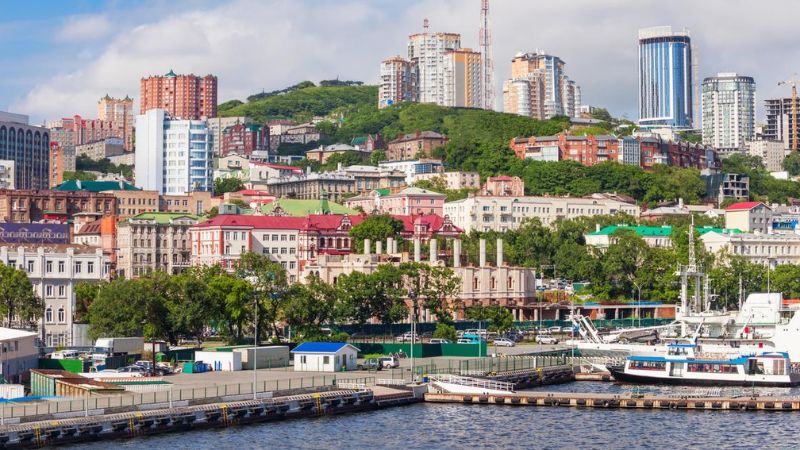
<point x="78" y="267"/>
<point x="302" y="359"/>
<point x="49" y="266"/>
<point x="61" y="267"/>
<point x="326" y="359"/>
<point x="60" y="315"/>
<point x="48" y="315"/>
<point x="291" y="264"/>
<point x="291" y="237"/>
<point x="30" y="266"/>
<point x="48" y="290"/>
<point x="61" y="291"/>
<point x="90" y="267"/>
<point x="283" y="250"/>
<point x="274" y="237"/>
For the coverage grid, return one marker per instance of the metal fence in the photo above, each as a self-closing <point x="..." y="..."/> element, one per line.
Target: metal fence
<point x="482" y="366"/>
<point x="166" y="396"/>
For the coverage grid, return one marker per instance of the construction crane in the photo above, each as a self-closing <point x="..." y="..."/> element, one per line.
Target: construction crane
<point x="793" y="136"/>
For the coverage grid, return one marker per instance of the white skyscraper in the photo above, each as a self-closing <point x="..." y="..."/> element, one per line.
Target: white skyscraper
<point x="729" y="111"/>
<point x="428" y="51"/>
<point x="172" y="156"/>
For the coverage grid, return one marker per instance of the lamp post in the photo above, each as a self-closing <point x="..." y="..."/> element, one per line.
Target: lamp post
<point x="254" y="281"/>
<point x="639" y="303"/>
<point x="413" y="296"/>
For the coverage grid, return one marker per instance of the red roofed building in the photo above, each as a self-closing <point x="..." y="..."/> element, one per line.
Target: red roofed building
<point x="292" y="241"/>
<point x="750" y="217"/>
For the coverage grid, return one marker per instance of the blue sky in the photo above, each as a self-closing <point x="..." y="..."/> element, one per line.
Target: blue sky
<point x="59" y="57"/>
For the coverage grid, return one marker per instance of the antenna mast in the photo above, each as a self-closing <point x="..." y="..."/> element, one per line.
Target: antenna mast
<point x="485" y="39"/>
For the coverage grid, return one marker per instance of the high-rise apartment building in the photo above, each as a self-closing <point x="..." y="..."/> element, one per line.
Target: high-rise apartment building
<point x="62" y="159"/>
<point x="779" y="124"/>
<point x="186" y="97"/>
<point x="118" y="111"/>
<point x="172" y="156"/>
<point x="70" y="132"/>
<point x="540" y="88"/>
<point x="729" y="111"/>
<point x="463" y="78"/>
<point x="665" y="78"/>
<point x="398" y="82"/>
<point x="428" y="52"/>
<point x="28" y="147"/>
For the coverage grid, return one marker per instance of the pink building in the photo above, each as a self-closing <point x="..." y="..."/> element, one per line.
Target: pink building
<point x="76" y="130"/>
<point x="409" y="201"/>
<point x="504" y="186"/>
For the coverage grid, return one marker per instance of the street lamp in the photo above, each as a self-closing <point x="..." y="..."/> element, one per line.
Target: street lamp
<point x="639" y="303"/>
<point x="413" y="296"/>
<point x="254" y="281"/>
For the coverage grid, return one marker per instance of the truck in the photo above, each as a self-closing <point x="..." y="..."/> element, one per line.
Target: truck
<point x="118" y="346"/>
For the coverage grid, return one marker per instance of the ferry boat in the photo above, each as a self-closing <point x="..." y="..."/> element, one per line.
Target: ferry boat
<point x="684" y="364"/>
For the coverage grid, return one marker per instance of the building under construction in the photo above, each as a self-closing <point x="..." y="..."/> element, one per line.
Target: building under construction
<point x="780" y="123"/>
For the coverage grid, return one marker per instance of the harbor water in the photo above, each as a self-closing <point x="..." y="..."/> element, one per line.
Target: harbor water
<point x="456" y="426"/>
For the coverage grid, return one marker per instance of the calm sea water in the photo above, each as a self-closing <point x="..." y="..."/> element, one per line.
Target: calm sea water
<point x="455" y="426"/>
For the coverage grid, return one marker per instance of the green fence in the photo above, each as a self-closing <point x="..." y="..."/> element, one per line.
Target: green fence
<point x="70" y="365"/>
<point x="400" y="328"/>
<point x="422" y="350"/>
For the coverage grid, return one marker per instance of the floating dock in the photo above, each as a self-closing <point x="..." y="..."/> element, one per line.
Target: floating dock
<point x="142" y="423"/>
<point x="607" y="401"/>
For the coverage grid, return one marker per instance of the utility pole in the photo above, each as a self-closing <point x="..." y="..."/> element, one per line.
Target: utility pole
<point x="793" y="129"/>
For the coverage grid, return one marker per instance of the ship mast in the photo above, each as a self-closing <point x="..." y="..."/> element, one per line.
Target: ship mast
<point x="688" y="273"/>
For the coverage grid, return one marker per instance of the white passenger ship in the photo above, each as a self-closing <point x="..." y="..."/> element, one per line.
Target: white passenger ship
<point x="685" y="364"/>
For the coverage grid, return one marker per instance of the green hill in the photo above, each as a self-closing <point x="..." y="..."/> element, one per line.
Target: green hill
<point x="303" y="103"/>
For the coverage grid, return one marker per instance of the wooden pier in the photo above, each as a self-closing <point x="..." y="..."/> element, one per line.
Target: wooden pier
<point x="607" y="401"/>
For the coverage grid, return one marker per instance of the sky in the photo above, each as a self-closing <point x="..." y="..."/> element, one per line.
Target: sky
<point x="59" y="57"/>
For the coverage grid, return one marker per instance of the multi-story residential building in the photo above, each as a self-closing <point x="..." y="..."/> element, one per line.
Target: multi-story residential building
<point x="780" y="126"/>
<point x="504" y="213"/>
<point x="28" y="147"/>
<point x="197" y="203"/>
<point x="152" y="242"/>
<point x="750" y="217"/>
<point x="216" y="126"/>
<point x="630" y="151"/>
<point x="127" y="159"/>
<point x="118" y="111"/>
<point x="540" y="88"/>
<point x="7" y="173"/>
<point x="503" y="186"/>
<point x="414" y="145"/>
<point x="428" y="52"/>
<point x="300" y="134"/>
<point x="772" y="153"/>
<point x="455" y="180"/>
<point x="462" y="71"/>
<point x="62" y="159"/>
<point x="407" y="202"/>
<point x="185" y="97"/>
<point x="729" y="111"/>
<point x="244" y="139"/>
<point x="54" y="270"/>
<point x="70" y="132"/>
<point x="398" y="82"/>
<point x="334" y="185"/>
<point x="101" y="149"/>
<point x="724" y="186"/>
<point x="172" y="156"/>
<point x="760" y="248"/>
<point x="590" y="150"/>
<point x="322" y="153"/>
<point x="25" y="205"/>
<point x="134" y="202"/>
<point x="665" y="78"/>
<point x="414" y="167"/>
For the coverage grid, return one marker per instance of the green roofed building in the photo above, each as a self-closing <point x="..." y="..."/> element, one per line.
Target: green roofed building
<point x="653" y="236"/>
<point x="154" y="241"/>
<point x="95" y="186"/>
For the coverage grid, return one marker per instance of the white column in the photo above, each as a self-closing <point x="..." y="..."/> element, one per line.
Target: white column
<point x="378" y="247"/>
<point x="417" y="250"/>
<point x="482" y="253"/>
<point x="433" y="250"/>
<point x="367" y="245"/>
<point x="499" y="252"/>
<point x="457" y="253"/>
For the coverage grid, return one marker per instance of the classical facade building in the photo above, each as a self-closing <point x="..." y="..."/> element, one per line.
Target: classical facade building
<point x="768" y="249"/>
<point x="186" y="97"/>
<point x="151" y="242"/>
<point x="25" y="205"/>
<point x="54" y="270"/>
<point x="409" y="201"/>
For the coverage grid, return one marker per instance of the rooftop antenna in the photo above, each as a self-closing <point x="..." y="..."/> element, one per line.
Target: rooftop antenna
<point x="485" y="39"/>
<point x="425" y="25"/>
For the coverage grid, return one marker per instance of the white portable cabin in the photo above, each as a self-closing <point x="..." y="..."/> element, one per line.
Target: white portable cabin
<point x="325" y="357"/>
<point x="220" y="361"/>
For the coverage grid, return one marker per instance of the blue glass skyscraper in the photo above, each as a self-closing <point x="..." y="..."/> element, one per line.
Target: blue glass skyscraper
<point x="665" y="78"/>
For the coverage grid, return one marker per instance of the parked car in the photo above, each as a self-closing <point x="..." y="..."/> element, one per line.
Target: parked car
<point x="427" y="335"/>
<point x="389" y="362"/>
<point x="546" y="339"/>
<point x="470" y="331"/>
<point x="460" y="333"/>
<point x="554" y="330"/>
<point x="504" y="342"/>
<point x="440" y="341"/>
<point x="466" y="341"/>
<point x="371" y="364"/>
<point x="132" y="369"/>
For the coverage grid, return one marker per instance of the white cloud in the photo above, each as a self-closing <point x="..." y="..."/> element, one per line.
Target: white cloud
<point x="253" y="45"/>
<point x="83" y="28"/>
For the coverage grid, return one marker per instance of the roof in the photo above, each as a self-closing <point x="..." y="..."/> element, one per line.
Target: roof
<point x="90" y="228"/>
<point x="163" y="218"/>
<point x="11" y="333"/>
<point x="322" y="347"/>
<point x="743" y="206"/>
<point x="419" y="135"/>
<point x="254" y="192"/>
<point x="302" y="208"/>
<point x="418" y="191"/>
<point x="640" y="230"/>
<point x="704" y="230"/>
<point x="95" y="186"/>
<point x="382" y="191"/>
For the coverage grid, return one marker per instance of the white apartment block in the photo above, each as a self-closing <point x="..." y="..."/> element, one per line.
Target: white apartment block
<point x="428" y="51"/>
<point x="762" y="248"/>
<point x="729" y="111"/>
<point x="54" y="270"/>
<point x="453" y="180"/>
<point x="6" y="174"/>
<point x="172" y="156"/>
<point x="771" y="153"/>
<point x="495" y="213"/>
